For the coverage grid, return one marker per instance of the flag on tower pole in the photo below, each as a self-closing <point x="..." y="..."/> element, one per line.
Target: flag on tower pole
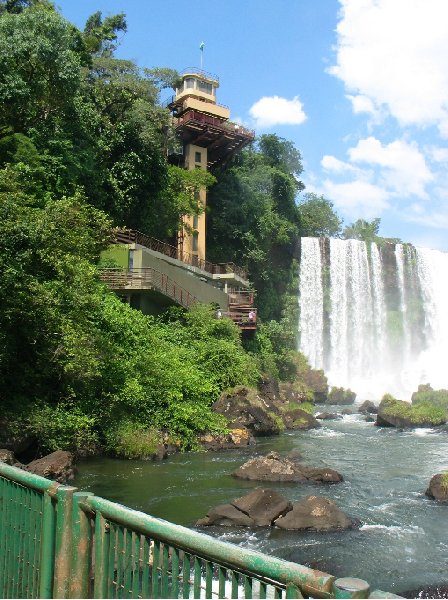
<point x="201" y="48"/>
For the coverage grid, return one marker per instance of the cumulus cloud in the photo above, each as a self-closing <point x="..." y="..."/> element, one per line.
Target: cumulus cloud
<point x="357" y="198"/>
<point x="274" y="110"/>
<point x="393" y="55"/>
<point x="331" y="163"/>
<point x="403" y="168"/>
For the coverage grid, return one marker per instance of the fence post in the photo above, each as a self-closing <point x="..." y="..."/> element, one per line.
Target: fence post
<point x="81" y="548"/>
<point x="102" y="544"/>
<point x="63" y="545"/>
<point x="350" y="587"/>
<point x="47" y="548"/>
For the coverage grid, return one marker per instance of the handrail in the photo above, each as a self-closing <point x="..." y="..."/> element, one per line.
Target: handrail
<point x="200" y="72"/>
<point x="79" y="545"/>
<point x="147" y="278"/>
<point x="132" y="236"/>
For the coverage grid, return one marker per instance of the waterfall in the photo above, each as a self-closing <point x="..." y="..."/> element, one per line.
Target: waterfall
<point x="374" y="318"/>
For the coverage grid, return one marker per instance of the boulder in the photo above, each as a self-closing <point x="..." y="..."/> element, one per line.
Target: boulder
<point x="438" y="487"/>
<point x="341" y="396"/>
<point x="322" y="475"/>
<point x="316" y="380"/>
<point x="317" y="514"/>
<point x="275" y="468"/>
<point x="7" y="456"/>
<point x="263" y="506"/>
<point x="57" y="465"/>
<point x="270" y="468"/>
<point x="258" y="508"/>
<point x="397" y="413"/>
<point x="347" y="411"/>
<point x="238" y="437"/>
<point x="297" y="392"/>
<point x="300" y="419"/>
<point x="226" y="515"/>
<point x="368" y="407"/>
<point x="245" y="408"/>
<point x="326" y="416"/>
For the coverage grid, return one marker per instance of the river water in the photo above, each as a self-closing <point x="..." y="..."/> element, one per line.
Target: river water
<point x="402" y="543"/>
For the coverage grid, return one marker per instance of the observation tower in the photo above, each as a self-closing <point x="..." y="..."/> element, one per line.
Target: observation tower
<point x="205" y="139"/>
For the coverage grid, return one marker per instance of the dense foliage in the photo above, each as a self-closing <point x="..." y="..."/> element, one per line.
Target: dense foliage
<point x="83" y="142"/>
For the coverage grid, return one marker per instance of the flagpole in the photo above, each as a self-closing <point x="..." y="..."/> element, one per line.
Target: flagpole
<point x="201" y="48"/>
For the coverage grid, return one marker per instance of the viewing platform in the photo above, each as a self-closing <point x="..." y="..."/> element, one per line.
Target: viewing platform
<point x="150" y="273"/>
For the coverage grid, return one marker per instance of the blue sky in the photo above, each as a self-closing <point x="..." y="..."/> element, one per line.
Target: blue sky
<point x="359" y="86"/>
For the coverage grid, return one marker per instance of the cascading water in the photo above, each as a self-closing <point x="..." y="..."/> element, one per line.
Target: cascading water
<point x="374" y="318"/>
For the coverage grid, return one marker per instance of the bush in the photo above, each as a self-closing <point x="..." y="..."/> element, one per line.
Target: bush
<point x="426" y="395"/>
<point x="133" y="440"/>
<point x="422" y="414"/>
<point x="64" y="428"/>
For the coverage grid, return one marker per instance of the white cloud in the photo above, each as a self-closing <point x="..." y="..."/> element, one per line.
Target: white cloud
<point x="274" y="110"/>
<point x="331" y="163"/>
<point x="438" y="154"/>
<point x="357" y="198"/>
<point x="393" y="54"/>
<point x="402" y="166"/>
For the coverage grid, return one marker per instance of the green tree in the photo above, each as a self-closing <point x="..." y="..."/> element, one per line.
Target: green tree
<point x="318" y="218"/>
<point x="254" y="220"/>
<point x="363" y="230"/>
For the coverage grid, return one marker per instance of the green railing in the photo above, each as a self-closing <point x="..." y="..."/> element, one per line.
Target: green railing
<point x="56" y="542"/>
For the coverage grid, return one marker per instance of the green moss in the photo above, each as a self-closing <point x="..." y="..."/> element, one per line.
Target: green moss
<point x="277" y="420"/>
<point x="422" y="413"/>
<point x="307" y="407"/>
<point x="444" y="481"/>
<point x="300" y="422"/>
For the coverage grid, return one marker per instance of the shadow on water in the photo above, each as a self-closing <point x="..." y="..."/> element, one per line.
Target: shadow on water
<point x="402" y="544"/>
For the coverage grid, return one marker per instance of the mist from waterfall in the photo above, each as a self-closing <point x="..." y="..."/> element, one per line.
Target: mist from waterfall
<point x="374" y="318"/>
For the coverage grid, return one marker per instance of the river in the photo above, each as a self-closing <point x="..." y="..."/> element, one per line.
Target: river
<point x="402" y="543"/>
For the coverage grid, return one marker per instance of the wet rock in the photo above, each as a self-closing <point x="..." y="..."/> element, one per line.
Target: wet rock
<point x="57" y="466"/>
<point x="297" y="392"/>
<point x="316" y="380"/>
<point x="322" y="475"/>
<point x="239" y="437"/>
<point x="300" y="419"/>
<point x="263" y="506"/>
<point x="245" y="408"/>
<point x="397" y="413"/>
<point x="339" y="395"/>
<point x="7" y="456"/>
<point x="368" y="407"/>
<point x="438" y="487"/>
<point x="226" y="515"/>
<point x="326" y="416"/>
<point x="270" y="468"/>
<point x="275" y="468"/>
<point x="258" y="508"/>
<point x="317" y="514"/>
<point x="347" y="411"/>
<point x="370" y="419"/>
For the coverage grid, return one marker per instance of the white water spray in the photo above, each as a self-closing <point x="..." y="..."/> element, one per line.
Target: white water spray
<point x="375" y="319"/>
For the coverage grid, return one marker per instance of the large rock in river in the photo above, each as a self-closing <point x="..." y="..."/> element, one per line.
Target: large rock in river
<point x="317" y="514"/>
<point x="275" y="468"/>
<point x="438" y="487"/>
<point x="300" y="419"/>
<point x="58" y="465"/>
<point x="246" y="407"/>
<point x="259" y="508"/>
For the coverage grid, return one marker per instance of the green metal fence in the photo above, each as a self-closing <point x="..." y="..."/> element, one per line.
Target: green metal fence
<point x="56" y="542"/>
